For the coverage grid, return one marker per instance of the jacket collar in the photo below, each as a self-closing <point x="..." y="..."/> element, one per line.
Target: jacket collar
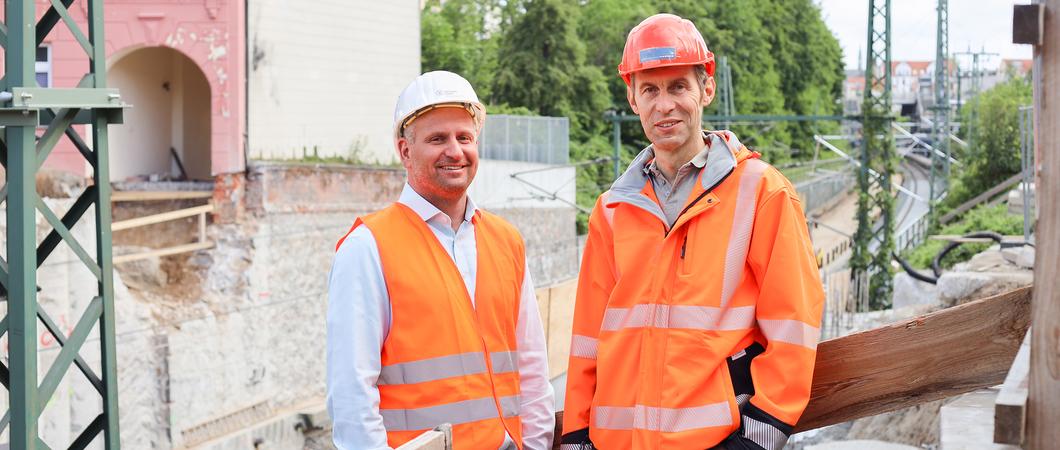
<point x="724" y="152"/>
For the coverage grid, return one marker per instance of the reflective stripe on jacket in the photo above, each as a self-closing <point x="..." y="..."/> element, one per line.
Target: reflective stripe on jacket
<point x="444" y="359"/>
<point x="687" y="336"/>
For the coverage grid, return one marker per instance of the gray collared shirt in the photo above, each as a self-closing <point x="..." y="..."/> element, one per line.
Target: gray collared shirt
<point x="673" y="195"/>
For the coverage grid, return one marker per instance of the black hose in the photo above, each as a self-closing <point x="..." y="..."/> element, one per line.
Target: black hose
<point x="936" y="264"/>
<point x="913" y="272"/>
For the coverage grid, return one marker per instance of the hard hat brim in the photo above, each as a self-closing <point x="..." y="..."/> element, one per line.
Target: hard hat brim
<point x="476" y="111"/>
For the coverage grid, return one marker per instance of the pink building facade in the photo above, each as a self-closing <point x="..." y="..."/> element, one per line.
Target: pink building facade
<point x="181" y="65"/>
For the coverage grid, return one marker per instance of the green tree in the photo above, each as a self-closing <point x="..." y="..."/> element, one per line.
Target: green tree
<point x="455" y="37"/>
<point x="544" y="69"/>
<point x="994" y="134"/>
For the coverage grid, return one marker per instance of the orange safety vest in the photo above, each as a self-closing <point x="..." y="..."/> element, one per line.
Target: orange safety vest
<point x="444" y="360"/>
<point x="687" y="336"/>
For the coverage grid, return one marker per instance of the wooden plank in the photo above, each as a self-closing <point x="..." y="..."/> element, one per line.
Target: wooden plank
<point x="1010" y="407"/>
<point x="990" y="193"/>
<point x="163" y="217"/>
<point x="164" y="252"/>
<point x="1043" y="409"/>
<point x="926" y="358"/>
<point x="143" y="196"/>
<point x="440" y="438"/>
<point x="558" y="431"/>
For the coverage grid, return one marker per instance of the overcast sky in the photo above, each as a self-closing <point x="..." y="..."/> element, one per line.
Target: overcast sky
<point x="974" y="24"/>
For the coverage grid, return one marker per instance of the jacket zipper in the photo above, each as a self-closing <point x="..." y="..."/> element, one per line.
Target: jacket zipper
<point x="696" y="200"/>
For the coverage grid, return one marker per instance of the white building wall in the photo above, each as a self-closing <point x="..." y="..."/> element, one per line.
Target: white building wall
<point x="495" y="188"/>
<point x="324" y="76"/>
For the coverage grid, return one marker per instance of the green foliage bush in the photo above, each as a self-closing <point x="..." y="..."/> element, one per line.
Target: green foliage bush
<point x="993" y="133"/>
<point x="982" y="218"/>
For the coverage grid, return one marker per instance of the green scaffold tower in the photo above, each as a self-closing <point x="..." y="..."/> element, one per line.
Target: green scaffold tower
<point x="26" y="109"/>
<point x="874" y="239"/>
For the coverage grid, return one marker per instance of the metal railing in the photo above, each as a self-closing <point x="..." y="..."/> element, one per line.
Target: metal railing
<point x="820" y="191"/>
<point x="526" y="138"/>
<point x="913" y="234"/>
<point x="200" y="211"/>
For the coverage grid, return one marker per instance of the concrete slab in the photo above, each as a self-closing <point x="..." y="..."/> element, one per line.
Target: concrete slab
<point x="860" y="444"/>
<point x="967" y="423"/>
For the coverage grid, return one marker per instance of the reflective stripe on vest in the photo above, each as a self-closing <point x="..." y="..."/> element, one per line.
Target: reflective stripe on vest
<point x="443" y="367"/>
<point x="667" y="420"/>
<point x="455" y="413"/>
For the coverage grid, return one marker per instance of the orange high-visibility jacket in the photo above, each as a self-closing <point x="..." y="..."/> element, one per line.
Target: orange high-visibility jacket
<point x="705" y="332"/>
<point x="444" y="360"/>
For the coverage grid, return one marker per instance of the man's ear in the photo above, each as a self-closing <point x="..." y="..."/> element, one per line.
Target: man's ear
<point x="632" y="100"/>
<point x="709" y="90"/>
<point x="403" y="149"/>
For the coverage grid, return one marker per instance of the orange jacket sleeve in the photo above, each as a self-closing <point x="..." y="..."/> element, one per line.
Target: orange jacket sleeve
<point x="595" y="281"/>
<point x="789" y="305"/>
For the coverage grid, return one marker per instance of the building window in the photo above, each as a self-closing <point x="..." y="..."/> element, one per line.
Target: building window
<point x="44" y="66"/>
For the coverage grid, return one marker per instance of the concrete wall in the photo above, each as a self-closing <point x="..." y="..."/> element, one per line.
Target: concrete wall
<point x="325" y="75"/>
<point x="66" y="287"/>
<point x="547" y="224"/>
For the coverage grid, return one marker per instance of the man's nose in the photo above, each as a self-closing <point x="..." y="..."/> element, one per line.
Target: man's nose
<point x="452" y="147"/>
<point x="665" y="102"/>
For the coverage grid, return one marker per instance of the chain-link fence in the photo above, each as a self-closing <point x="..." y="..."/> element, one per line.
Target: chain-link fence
<point x="526" y="138"/>
<point x="821" y="191"/>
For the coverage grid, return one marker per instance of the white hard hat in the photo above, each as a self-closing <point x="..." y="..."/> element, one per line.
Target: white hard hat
<point x="438" y="89"/>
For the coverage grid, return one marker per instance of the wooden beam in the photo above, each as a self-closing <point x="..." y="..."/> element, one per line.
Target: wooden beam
<point x="1043" y="407"/>
<point x="990" y="193"/>
<point x="164" y="252"/>
<point x="925" y="358"/>
<point x="143" y="196"/>
<point x="440" y="438"/>
<point x="159" y="218"/>
<point x="1010" y="407"/>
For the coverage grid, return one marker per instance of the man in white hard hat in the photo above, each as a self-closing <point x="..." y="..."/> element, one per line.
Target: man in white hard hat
<point x="432" y="316"/>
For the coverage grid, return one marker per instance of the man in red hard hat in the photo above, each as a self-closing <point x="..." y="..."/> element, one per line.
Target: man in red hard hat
<point x="699" y="301"/>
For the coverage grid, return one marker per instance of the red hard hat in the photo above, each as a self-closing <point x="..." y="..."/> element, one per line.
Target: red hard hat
<point x="664" y="40"/>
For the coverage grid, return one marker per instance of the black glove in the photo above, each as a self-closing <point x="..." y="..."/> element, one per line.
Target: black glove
<point x="576" y="440"/>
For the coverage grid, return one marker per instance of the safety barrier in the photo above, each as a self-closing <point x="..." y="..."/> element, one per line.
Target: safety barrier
<point x="200" y="211"/>
<point x="819" y="192"/>
<point x="526" y="138"/>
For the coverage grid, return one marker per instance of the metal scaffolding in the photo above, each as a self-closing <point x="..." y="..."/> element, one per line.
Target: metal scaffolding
<point x="874" y="239"/>
<point x="940" y="163"/>
<point x="25" y="107"/>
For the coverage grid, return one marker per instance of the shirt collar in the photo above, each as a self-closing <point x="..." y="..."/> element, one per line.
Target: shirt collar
<point x="427" y="211"/>
<point x="699" y="161"/>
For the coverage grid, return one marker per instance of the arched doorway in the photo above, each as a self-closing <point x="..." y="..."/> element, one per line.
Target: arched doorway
<point x="166" y="134"/>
